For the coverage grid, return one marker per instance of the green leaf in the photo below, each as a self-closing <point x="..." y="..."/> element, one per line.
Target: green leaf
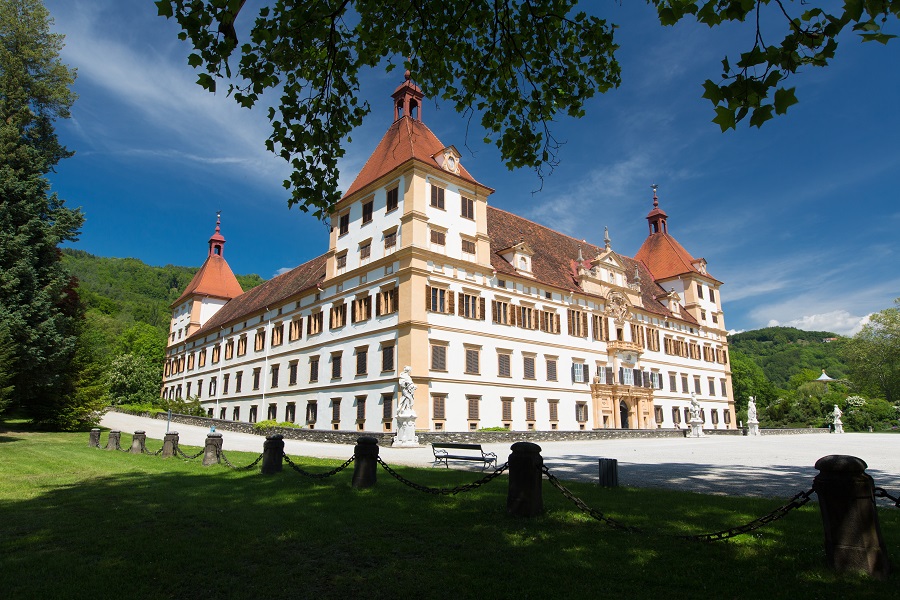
<point x="712" y="92"/>
<point x="761" y="115"/>
<point x="724" y="118"/>
<point x="164" y="8"/>
<point x="204" y="80"/>
<point x="194" y="60"/>
<point x="784" y="99"/>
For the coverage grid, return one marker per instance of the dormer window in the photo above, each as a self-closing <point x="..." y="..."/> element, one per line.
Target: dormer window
<point x="448" y="158"/>
<point x="523" y="264"/>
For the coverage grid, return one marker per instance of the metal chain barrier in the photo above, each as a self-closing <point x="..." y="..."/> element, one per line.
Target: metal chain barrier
<point x="443" y="491"/>
<point x="148" y="453"/>
<point x="247" y="468"/>
<point x="334" y="471"/>
<point x="185" y="456"/>
<point x="796" y="502"/>
<point x="883" y="493"/>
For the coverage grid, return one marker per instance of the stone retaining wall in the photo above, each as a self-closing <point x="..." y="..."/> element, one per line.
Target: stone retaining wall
<point x="329" y="436"/>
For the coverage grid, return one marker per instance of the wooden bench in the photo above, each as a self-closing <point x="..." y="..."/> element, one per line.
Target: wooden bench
<point x="441" y="454"/>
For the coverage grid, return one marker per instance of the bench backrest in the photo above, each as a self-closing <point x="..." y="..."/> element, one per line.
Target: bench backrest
<point x="457" y="446"/>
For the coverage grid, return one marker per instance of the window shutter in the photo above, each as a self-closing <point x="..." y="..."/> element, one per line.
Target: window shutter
<point x="595" y="327"/>
<point x="621" y="375"/>
<point x="570" y="320"/>
<point x="647" y="381"/>
<point x="584" y="324"/>
<point x="513" y="310"/>
<point x="353" y="306"/>
<point x="451" y="308"/>
<point x="461" y="308"/>
<point x="481" y="309"/>
<point x="609" y="375"/>
<point x="368" y="303"/>
<point x="427" y="297"/>
<point x="556" y="318"/>
<point x="379" y="298"/>
<point x="573" y="373"/>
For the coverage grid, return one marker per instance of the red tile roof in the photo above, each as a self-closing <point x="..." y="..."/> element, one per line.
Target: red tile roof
<point x="214" y="279"/>
<point x="554" y="260"/>
<point x="270" y="294"/>
<point x="666" y="258"/>
<point x="407" y="139"/>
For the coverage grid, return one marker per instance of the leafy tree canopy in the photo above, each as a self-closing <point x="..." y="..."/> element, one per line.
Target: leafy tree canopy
<point x="517" y="64"/>
<point x="874" y="354"/>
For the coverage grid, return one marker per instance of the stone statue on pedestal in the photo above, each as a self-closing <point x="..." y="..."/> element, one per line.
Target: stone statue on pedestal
<point x="838" y="424"/>
<point x="752" y="422"/>
<point x="406" y="417"/>
<point x="696" y="420"/>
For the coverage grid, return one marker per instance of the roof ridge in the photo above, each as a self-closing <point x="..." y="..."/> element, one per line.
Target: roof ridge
<point x="560" y="233"/>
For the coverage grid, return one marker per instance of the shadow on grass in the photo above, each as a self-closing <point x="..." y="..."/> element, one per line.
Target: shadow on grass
<point x="184" y="530"/>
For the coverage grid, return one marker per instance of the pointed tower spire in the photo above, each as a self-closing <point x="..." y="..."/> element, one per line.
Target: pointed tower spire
<point x="217" y="241"/>
<point x="657" y="217"/>
<point x="408" y="99"/>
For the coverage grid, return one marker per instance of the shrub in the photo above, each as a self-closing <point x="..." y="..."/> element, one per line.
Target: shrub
<point x="270" y="423"/>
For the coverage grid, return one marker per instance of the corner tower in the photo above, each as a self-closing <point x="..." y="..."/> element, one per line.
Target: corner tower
<point x="212" y="286"/>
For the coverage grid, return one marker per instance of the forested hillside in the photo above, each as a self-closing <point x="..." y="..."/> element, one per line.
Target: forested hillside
<point x="782" y="352"/>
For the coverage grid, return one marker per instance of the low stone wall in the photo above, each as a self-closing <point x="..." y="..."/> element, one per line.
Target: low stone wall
<point x="329" y="436"/>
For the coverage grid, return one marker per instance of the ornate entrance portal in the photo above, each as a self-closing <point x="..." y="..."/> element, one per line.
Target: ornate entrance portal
<point x="623" y="415"/>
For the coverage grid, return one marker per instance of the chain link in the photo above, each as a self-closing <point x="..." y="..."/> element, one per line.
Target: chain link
<point x="334" y="471"/>
<point x="443" y="491"/>
<point x="185" y="456"/>
<point x="148" y="453"/>
<point x="247" y="468"/>
<point x="796" y="502"/>
<point x="883" y="493"/>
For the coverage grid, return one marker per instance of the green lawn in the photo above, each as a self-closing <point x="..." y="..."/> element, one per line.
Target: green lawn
<point x="77" y="522"/>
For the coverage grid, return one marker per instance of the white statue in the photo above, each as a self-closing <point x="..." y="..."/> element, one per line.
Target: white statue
<point x="407" y="391"/>
<point x="837" y="413"/>
<point x="751" y="410"/>
<point x="695" y="407"/>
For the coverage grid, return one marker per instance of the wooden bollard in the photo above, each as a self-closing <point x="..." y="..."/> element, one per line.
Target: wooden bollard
<point x="525" y="497"/>
<point x="170" y="444"/>
<point x="113" y="442"/>
<point x="94" y="439"/>
<point x="213" y="449"/>
<point x="846" y="495"/>
<point x="273" y="454"/>
<point x="365" y="462"/>
<point x="139" y="442"/>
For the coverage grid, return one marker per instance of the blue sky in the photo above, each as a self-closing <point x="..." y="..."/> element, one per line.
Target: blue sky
<point x="799" y="218"/>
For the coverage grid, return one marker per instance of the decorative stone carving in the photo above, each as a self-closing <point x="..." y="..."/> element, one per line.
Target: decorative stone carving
<point x="617" y="307"/>
<point x="406" y="417"/>
<point x="696" y="420"/>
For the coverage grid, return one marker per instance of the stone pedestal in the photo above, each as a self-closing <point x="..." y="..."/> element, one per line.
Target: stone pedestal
<point x="406" y="430"/>
<point x="853" y="539"/>
<point x="94" y="439"/>
<point x="170" y="444"/>
<point x="273" y="454"/>
<point x="753" y="427"/>
<point x="114" y="440"/>
<point x="524" y="497"/>
<point x="365" y="463"/>
<point x="696" y="428"/>
<point x="838" y="426"/>
<point x="212" y="449"/>
<point x="138" y="442"/>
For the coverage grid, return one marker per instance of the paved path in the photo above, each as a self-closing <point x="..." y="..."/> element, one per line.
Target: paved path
<point x="768" y="466"/>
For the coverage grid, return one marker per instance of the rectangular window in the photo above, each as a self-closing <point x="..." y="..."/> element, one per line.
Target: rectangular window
<point x="259" y="342"/>
<point x="468" y="247"/>
<point x="387" y="407"/>
<point x="278" y="334"/>
<point x="236" y="414"/>
<point x="393" y="199"/>
<point x="506" y="409"/>
<point x="500" y="312"/>
<point x="336" y="365"/>
<point x="471" y="306"/>
<point x="438" y="357"/>
<point x="187" y="389"/>
<point x="529" y="409"/>
<point x="387" y="358"/>
<point x="296" y="330"/>
<point x="473" y="402"/>
<point x="341" y="261"/>
<point x="225" y="380"/>
<point x="390" y="240"/>
<point x="684" y="384"/>
<point x="439" y="405"/>
<point x="360" y="409"/>
<point x="387" y="302"/>
<point x="362" y="309"/>
<point x="697" y="384"/>
<point x="367" y="211"/>
<point x="438" y="237"/>
<point x="344" y="224"/>
<point x="581" y="412"/>
<point x="578" y="323"/>
<point x="526" y="318"/>
<point x="202" y="358"/>
<point x="554" y="409"/>
<point x="190" y="361"/>
<point x="712" y="386"/>
<point x="472" y="361"/>
<point x="362" y="361"/>
<point x="673" y="382"/>
<point x="311" y="412"/>
<point x="438" y="301"/>
<point x="365" y="251"/>
<point x="216" y="353"/>
<point x="338" y="316"/>
<point x="723" y="387"/>
<point x="467" y="208"/>
<point x="256" y="372"/>
<point x="676" y="415"/>
<point x="549" y="321"/>
<point x="229" y="349"/>
<point x="292" y="372"/>
<point x="315" y="323"/>
<point x="578" y="372"/>
<point x="275" y="371"/>
<point x="551" y="369"/>
<point x="528" y="367"/>
<point x="700" y="291"/>
<point x="437" y="196"/>
<point x="238" y="381"/>
<point x="335" y="410"/>
<point x="503" y="367"/>
<point x="313" y="369"/>
<point x="273" y="412"/>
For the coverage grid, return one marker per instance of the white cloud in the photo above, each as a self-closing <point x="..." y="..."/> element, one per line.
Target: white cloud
<point x="282" y="271"/>
<point x="838" y="321"/>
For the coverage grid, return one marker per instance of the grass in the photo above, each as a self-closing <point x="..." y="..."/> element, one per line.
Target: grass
<point x="78" y="522"/>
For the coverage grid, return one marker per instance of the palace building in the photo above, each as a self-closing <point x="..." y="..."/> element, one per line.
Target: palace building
<point x="505" y="322"/>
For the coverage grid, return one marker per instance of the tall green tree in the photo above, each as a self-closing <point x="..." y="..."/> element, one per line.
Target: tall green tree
<point x="516" y="65"/>
<point x="38" y="302"/>
<point x="874" y="355"/>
